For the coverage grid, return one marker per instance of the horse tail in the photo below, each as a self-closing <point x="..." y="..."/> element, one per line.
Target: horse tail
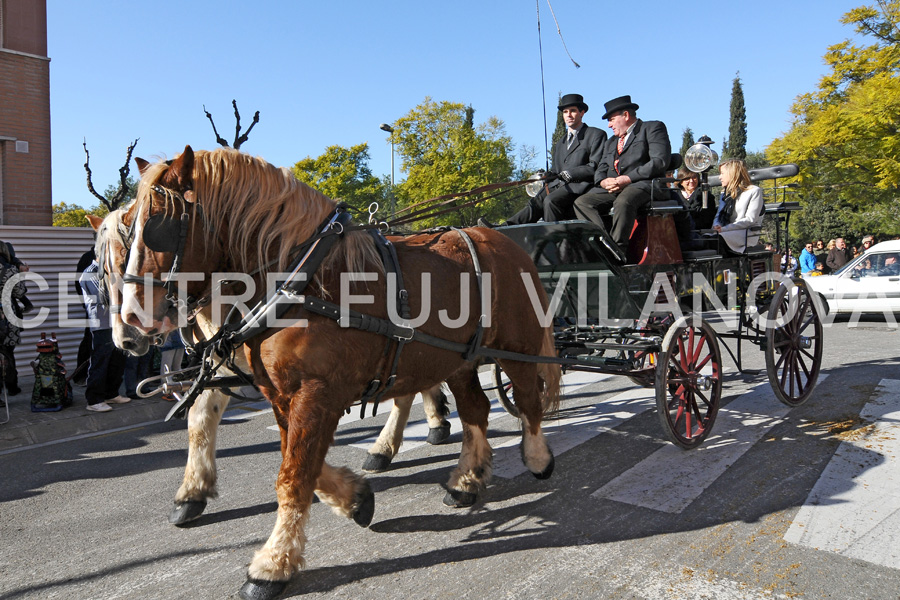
<point x="550" y="374"/>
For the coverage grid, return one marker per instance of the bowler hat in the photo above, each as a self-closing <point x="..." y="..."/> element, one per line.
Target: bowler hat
<point x="617" y="104"/>
<point x="573" y="100"/>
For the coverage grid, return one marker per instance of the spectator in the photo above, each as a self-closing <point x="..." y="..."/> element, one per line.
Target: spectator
<point x="867" y="242"/>
<point x="838" y="256"/>
<point x="84" y="348"/>
<point x="10" y="335"/>
<point x="788" y="263"/>
<point x="807" y="259"/>
<point x="821" y="255"/>
<point x="107" y="362"/>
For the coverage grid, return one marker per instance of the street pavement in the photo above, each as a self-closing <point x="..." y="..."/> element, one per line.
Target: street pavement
<point x="778" y="503"/>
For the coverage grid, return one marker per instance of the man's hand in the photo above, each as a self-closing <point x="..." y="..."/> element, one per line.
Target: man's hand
<point x="565" y="176"/>
<point x="615" y="185"/>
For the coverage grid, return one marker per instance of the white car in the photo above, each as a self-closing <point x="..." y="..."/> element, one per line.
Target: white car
<point x="870" y="283"/>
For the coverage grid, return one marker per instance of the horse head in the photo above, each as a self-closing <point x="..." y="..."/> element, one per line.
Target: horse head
<point x="111" y="248"/>
<point x="165" y="251"/>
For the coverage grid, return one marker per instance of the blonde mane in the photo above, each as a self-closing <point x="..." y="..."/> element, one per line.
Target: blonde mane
<point x="262" y="212"/>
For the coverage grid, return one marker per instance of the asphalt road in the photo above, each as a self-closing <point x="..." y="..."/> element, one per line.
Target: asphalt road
<point x="779" y="503"/>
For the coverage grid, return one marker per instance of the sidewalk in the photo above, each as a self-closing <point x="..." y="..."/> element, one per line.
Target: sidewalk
<point x="26" y="428"/>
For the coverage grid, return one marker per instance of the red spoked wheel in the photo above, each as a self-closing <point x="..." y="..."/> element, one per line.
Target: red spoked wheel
<point x="689" y="381"/>
<point x="794" y="343"/>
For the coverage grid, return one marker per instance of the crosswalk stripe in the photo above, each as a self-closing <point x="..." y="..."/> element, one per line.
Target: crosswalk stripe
<point x="670" y="479"/>
<point x="416" y="432"/>
<point x="576" y="426"/>
<point x="854" y="508"/>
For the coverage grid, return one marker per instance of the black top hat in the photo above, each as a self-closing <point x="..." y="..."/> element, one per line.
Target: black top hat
<point x="617" y="104"/>
<point x="573" y="100"/>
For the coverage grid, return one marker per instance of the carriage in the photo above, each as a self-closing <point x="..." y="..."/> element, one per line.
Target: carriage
<point x="663" y="317"/>
<point x="559" y="294"/>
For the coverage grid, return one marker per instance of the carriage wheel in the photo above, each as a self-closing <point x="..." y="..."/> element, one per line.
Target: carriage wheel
<point x="689" y="381"/>
<point x="503" y="387"/>
<point x="794" y="343"/>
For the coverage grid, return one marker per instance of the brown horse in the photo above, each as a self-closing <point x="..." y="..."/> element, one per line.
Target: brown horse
<point x="200" y="474"/>
<point x="244" y="215"/>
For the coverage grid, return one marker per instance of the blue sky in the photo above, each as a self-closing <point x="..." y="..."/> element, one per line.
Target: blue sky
<point x="325" y="73"/>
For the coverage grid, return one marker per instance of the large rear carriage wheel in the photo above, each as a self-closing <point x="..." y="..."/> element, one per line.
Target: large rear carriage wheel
<point x="794" y="343"/>
<point x="689" y="381"/>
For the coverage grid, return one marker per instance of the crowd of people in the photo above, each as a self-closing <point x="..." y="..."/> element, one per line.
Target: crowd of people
<point x="819" y="258"/>
<point x="102" y="369"/>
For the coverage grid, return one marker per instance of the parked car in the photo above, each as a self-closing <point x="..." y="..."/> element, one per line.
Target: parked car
<point x="870" y="283"/>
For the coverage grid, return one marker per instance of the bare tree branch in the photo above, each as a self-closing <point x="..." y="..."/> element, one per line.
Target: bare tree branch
<point x="239" y="138"/>
<point x="219" y="138"/>
<point x="87" y="162"/>
<point x="121" y="193"/>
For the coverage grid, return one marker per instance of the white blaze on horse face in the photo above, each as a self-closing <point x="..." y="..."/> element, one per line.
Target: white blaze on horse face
<point x="131" y="305"/>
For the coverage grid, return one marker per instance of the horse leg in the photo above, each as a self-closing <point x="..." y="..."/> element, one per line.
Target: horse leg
<point x="473" y="471"/>
<point x="436" y="411"/>
<point x="199" y="484"/>
<point x="348" y="494"/>
<point x="536" y="454"/>
<point x="388" y="443"/>
<point x="307" y="439"/>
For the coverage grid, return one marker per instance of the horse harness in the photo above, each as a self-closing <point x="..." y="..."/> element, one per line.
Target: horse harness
<point x="219" y="350"/>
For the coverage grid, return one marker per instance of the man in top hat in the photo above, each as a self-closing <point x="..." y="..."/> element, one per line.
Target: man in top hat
<point x="575" y="158"/>
<point x="639" y="152"/>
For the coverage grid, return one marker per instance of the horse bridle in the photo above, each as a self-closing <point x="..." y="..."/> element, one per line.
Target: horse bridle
<point x="159" y="236"/>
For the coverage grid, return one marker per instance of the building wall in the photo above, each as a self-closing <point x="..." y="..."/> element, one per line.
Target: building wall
<point x="25" y="176"/>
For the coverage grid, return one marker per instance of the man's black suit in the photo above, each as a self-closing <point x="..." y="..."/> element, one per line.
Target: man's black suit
<point x="646" y="156"/>
<point x="580" y="161"/>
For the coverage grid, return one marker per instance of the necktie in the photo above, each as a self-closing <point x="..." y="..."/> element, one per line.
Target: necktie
<point x="570" y="141"/>
<point x="620" y="145"/>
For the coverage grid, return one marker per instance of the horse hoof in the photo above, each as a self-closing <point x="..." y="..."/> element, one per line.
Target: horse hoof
<point x="365" y="506"/>
<point x="458" y="499"/>
<point x="548" y="470"/>
<point x="261" y="589"/>
<point x="185" y="512"/>
<point x="377" y="463"/>
<point x="438" y="435"/>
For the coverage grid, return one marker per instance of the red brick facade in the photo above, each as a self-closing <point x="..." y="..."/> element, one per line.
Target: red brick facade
<point x="25" y="189"/>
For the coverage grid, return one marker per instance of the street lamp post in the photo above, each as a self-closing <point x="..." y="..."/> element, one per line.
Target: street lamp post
<point x="389" y="129"/>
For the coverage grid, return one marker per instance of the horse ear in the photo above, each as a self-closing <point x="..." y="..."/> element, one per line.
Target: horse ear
<point x="142" y="164"/>
<point x="95" y="221"/>
<point x="180" y="175"/>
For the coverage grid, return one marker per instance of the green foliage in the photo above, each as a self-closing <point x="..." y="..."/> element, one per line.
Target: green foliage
<point x="845" y="135"/>
<point x="131" y="185"/>
<point x="72" y="215"/>
<point x="687" y="140"/>
<point x="756" y="160"/>
<point x="441" y="154"/>
<point x="736" y="145"/>
<point x="343" y="174"/>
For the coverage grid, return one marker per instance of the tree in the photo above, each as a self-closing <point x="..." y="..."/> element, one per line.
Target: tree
<point x="687" y="140"/>
<point x="343" y="174"/>
<point x="441" y="154"/>
<point x="239" y="138"/>
<point x="736" y="145"/>
<point x="846" y="135"/>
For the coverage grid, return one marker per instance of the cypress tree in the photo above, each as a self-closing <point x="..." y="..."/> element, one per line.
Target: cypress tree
<point x="737" y="126"/>
<point x="687" y="140"/>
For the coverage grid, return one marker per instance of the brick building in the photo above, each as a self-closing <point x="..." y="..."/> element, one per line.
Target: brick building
<point x="25" y="189"/>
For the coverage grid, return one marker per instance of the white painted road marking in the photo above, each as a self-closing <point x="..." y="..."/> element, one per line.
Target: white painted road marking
<point x="671" y="478"/>
<point x="416" y="432"/>
<point x="854" y="508"/>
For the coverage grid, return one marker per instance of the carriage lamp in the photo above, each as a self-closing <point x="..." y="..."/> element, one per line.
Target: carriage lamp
<point x="537" y="184"/>
<point x="699" y="158"/>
